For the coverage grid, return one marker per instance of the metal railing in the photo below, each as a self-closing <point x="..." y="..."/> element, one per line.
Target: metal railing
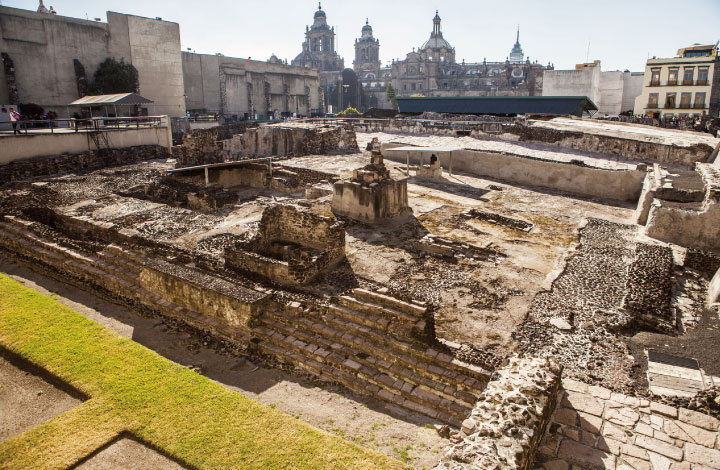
<point x="95" y="124"/>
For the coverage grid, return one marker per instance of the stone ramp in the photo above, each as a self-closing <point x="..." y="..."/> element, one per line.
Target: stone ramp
<point x="359" y="349"/>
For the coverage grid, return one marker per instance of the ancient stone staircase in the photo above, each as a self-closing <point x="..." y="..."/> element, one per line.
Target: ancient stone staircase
<point x="372" y="344"/>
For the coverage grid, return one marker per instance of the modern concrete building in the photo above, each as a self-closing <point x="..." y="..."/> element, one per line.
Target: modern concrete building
<point x="247" y="89"/>
<point x="612" y="92"/>
<point x="48" y="59"/>
<point x="682" y="86"/>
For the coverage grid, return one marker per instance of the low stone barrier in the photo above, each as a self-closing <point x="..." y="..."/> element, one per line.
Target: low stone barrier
<point x="508" y="422"/>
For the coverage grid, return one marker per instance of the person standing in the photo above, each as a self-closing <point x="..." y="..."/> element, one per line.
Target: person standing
<point x="14" y="118"/>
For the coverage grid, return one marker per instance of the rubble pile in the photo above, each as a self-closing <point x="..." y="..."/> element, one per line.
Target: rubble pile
<point x="506" y="425"/>
<point x="497" y="219"/>
<point x="705" y="401"/>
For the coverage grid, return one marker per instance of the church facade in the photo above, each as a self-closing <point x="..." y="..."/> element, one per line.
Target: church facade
<point x="431" y="70"/>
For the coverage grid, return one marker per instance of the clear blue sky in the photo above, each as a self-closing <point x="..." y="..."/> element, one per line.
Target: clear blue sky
<point x="621" y="33"/>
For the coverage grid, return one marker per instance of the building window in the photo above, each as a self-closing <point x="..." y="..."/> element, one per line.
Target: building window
<point x="673" y="77"/>
<point x="670" y="100"/>
<point x="652" y="100"/>
<point x="702" y="76"/>
<point x="699" y="100"/>
<point x="655" y="77"/>
<point x="688" y="74"/>
<point x="685" y="100"/>
<point x="413" y="86"/>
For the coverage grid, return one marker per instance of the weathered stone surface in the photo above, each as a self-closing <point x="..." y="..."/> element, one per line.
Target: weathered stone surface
<point x="507" y="423"/>
<point x="702" y="455"/>
<point x="699" y="419"/>
<point x="585" y="456"/>
<point x="659" y="447"/>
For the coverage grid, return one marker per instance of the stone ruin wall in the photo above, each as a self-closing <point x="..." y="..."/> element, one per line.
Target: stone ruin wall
<point x="370" y="203"/>
<point x="623" y="148"/>
<point x="278" y="140"/>
<point x="285" y="223"/>
<point x="697" y="227"/>
<point x="507" y="424"/>
<point x="86" y="161"/>
<point x="285" y="179"/>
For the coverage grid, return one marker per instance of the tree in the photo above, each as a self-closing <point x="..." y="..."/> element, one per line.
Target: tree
<point x="114" y="77"/>
<point x="350" y="112"/>
<point x="390" y="91"/>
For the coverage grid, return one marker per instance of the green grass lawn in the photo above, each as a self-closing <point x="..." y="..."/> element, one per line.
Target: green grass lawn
<point x="132" y="389"/>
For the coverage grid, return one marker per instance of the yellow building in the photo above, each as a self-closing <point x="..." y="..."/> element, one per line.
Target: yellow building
<point x="684" y="86"/>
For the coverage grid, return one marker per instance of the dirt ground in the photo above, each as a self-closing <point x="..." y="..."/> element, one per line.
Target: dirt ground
<point x="364" y="421"/>
<point x="27" y="400"/>
<point x="128" y="454"/>
<point x="482" y="301"/>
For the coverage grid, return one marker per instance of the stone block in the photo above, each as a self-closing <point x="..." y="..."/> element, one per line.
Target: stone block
<point x="663" y="409"/>
<point x="566" y="416"/>
<point x="623" y="416"/>
<point x="699" y="419"/>
<point x="636" y="463"/>
<point x="583" y="402"/>
<point x="659" y="447"/>
<point x="702" y="455"/>
<point x="585" y="456"/>
<point x="590" y="423"/>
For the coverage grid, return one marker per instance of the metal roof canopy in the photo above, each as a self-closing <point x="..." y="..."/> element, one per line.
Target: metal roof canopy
<point x="560" y="105"/>
<point x="117" y="99"/>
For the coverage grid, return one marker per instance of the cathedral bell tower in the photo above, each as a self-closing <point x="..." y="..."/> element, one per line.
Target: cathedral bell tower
<point x="367" y="54"/>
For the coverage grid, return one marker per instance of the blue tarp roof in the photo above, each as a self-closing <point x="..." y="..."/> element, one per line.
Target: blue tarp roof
<point x="560" y="105"/>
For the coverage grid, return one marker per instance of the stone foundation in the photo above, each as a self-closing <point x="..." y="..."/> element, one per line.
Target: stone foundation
<point x="371" y="195"/>
<point x="290" y="247"/>
<point x="292" y="140"/>
<point x="507" y="424"/>
<point x="689" y="224"/>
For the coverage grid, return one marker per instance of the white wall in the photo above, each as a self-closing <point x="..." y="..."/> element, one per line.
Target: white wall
<point x="614" y="185"/>
<point x="612" y="92"/>
<point x="41" y="145"/>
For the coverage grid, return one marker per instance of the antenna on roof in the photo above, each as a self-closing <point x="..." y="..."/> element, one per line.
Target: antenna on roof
<point x="587" y="57"/>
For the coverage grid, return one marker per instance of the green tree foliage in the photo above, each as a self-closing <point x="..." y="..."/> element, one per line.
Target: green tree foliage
<point x="390" y="91"/>
<point x="349" y="112"/>
<point x="114" y="77"/>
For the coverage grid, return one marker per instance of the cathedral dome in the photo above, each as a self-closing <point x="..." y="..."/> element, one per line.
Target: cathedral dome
<point x="320" y="13"/>
<point x="436" y="40"/>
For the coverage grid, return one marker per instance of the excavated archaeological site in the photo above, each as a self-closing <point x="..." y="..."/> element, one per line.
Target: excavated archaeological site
<point x="539" y="294"/>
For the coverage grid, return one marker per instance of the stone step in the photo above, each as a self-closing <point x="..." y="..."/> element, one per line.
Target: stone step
<point x="437" y="363"/>
<point x="463" y="379"/>
<point x="370" y="356"/>
<point x="375" y="309"/>
<point x="357" y="377"/>
<point x="416" y="311"/>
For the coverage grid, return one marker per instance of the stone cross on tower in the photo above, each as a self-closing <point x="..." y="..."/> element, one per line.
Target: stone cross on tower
<point x="42" y="9"/>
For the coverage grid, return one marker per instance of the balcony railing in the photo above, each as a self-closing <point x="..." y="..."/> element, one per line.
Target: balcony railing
<point x="702" y="82"/>
<point x="652" y="104"/>
<point x="688" y="82"/>
<point x="655" y="83"/>
<point x="684" y="105"/>
<point x="699" y="105"/>
<point x="672" y="82"/>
